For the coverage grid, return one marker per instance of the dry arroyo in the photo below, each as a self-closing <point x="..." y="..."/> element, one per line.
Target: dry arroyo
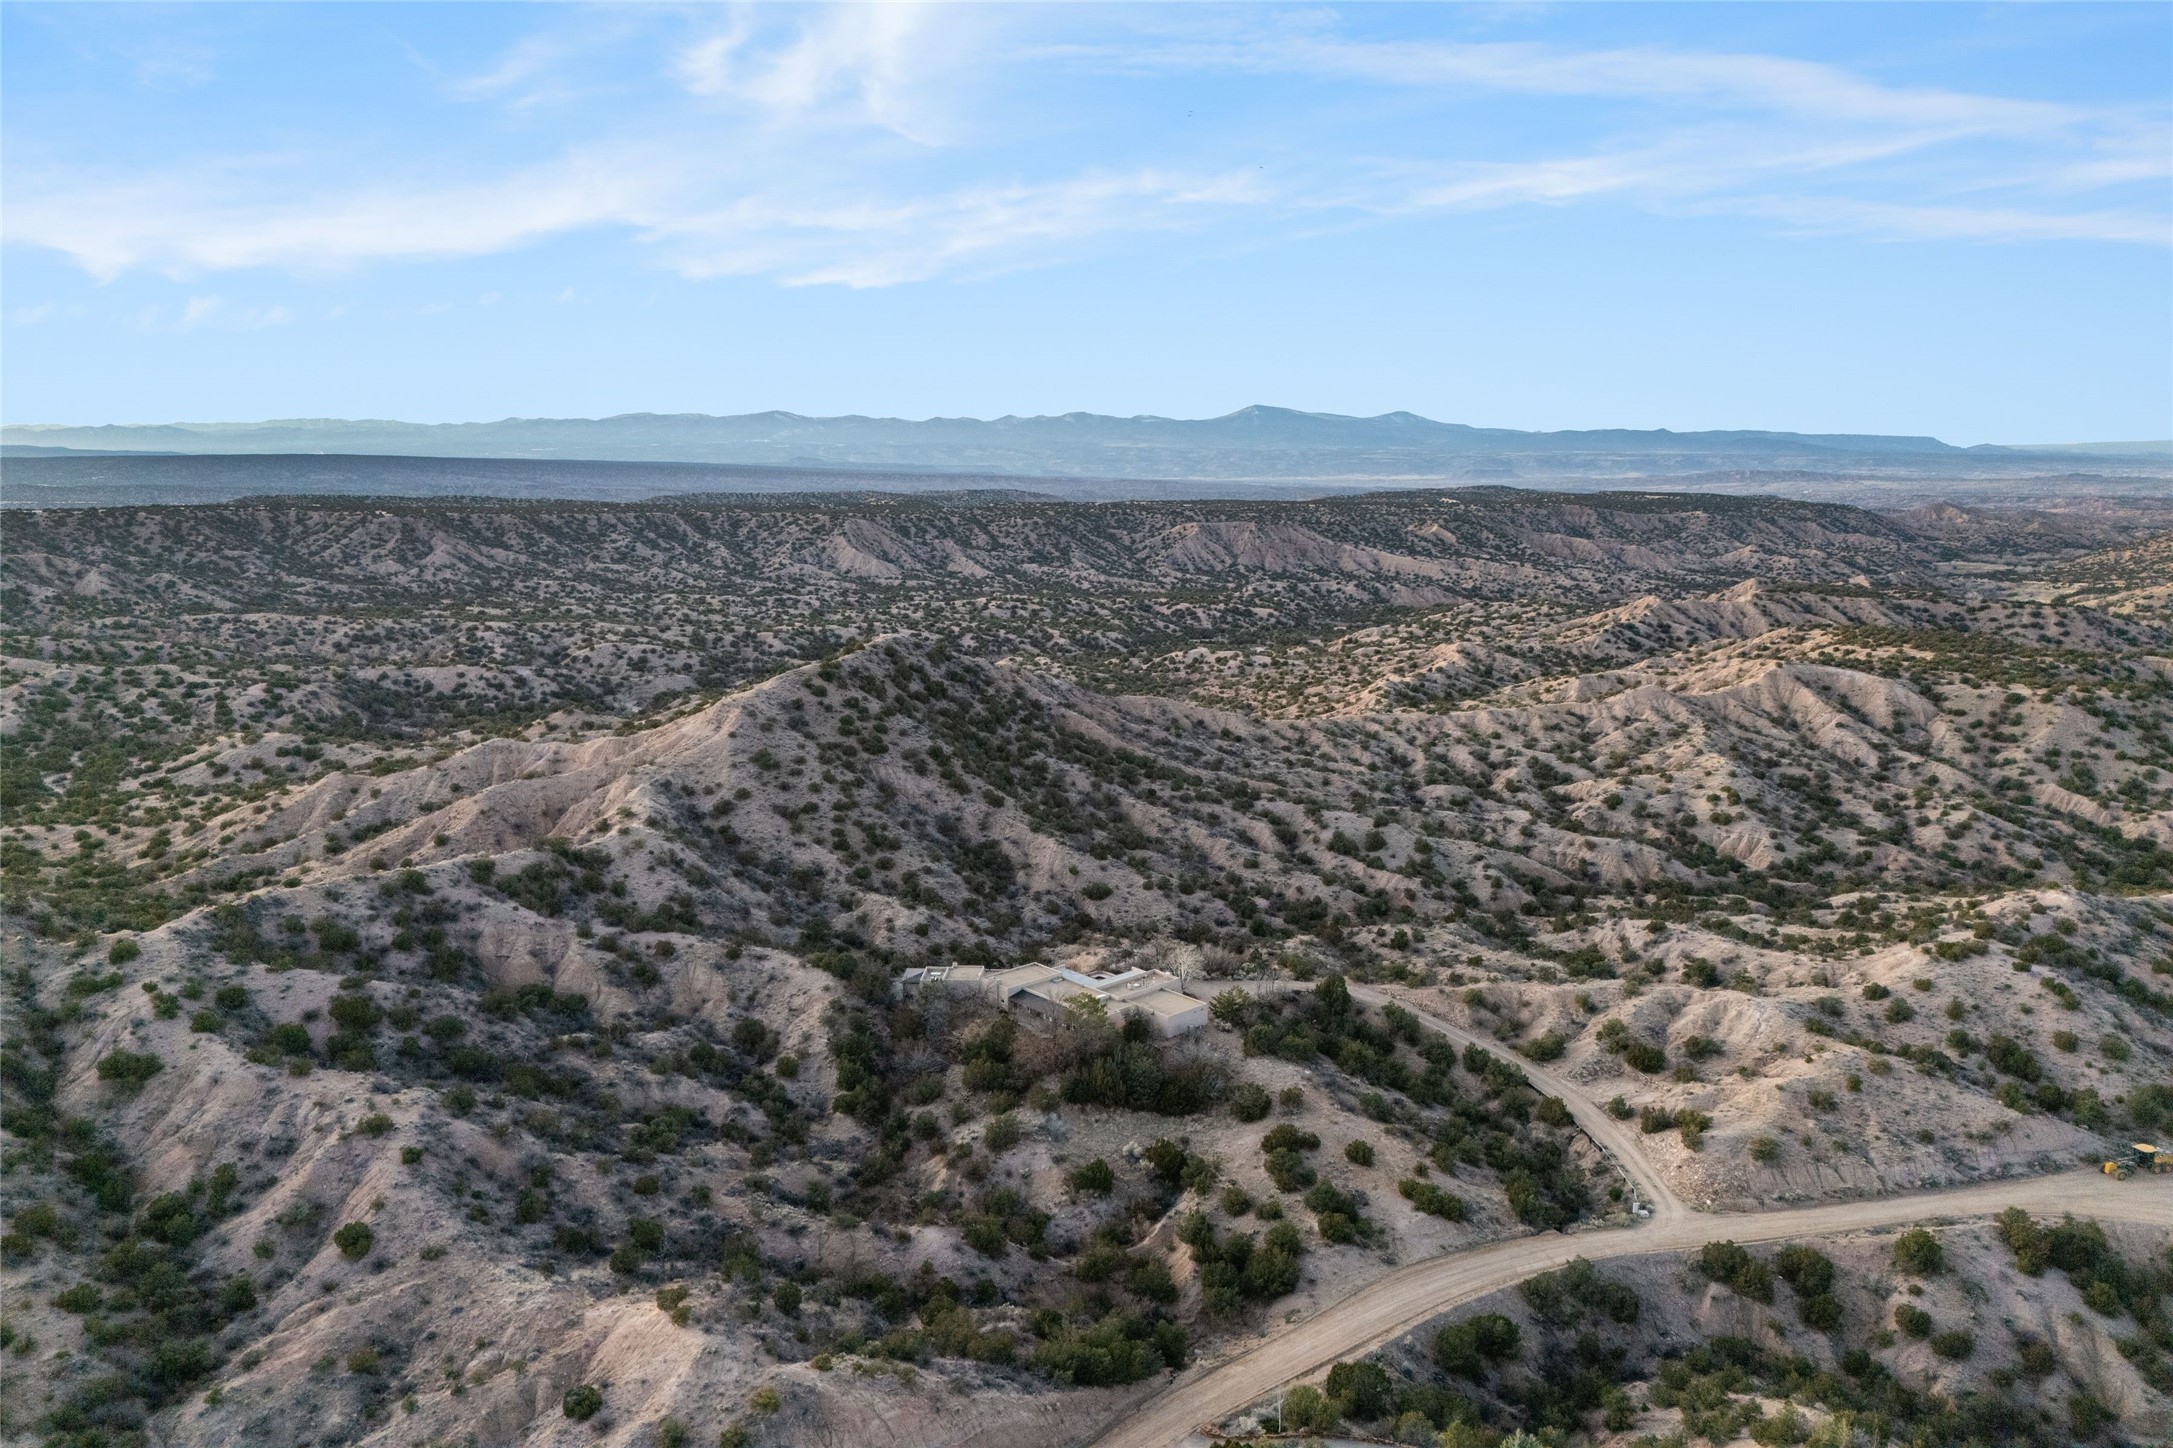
<point x="1382" y="1311"/>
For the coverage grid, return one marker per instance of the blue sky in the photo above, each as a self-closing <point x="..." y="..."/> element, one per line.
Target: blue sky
<point x="1947" y="219"/>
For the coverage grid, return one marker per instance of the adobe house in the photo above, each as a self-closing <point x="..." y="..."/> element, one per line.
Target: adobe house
<point x="1046" y="992"/>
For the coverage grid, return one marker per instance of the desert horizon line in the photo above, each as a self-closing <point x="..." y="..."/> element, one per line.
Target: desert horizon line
<point x="1393" y="415"/>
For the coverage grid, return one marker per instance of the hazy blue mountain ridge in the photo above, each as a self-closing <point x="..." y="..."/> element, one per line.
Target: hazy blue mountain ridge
<point x="1254" y="442"/>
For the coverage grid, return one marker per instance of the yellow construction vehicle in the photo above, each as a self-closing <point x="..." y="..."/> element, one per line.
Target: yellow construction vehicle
<point x="2140" y="1156"/>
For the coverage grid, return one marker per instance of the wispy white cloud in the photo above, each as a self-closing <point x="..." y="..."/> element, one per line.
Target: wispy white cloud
<point x="824" y="147"/>
<point x="216" y="311"/>
<point x="1724" y="132"/>
<point x="1751" y="82"/>
<point x="523" y="72"/>
<point x="221" y="218"/>
<point x="986" y="228"/>
<point x="802" y="235"/>
<point x="883" y="66"/>
<point x="1836" y="215"/>
<point x="211" y="311"/>
<point x="172" y="65"/>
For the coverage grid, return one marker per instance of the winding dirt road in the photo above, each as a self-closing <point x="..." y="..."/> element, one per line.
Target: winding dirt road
<point x="1391" y="1306"/>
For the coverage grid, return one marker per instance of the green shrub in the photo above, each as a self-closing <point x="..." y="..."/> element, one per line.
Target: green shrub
<point x="985" y="1234"/>
<point x="1002" y="1133"/>
<point x="1096" y="1176"/>
<point x="289" y="1039"/>
<point x="1810" y="1274"/>
<point x="1305" y="1408"/>
<point x="1954" y="1344"/>
<point x="354" y="1012"/>
<point x="1577" y="1292"/>
<point x="2087" y="1416"/>
<point x="1808" y="1271"/>
<point x="1358" y="1153"/>
<point x="123" y="951"/>
<point x="83" y="1297"/>
<point x="129" y="1070"/>
<point x="1250" y="1102"/>
<point x="1362" y="1390"/>
<point x="1913" y="1321"/>
<point x="1120" y="1348"/>
<point x="1466" y="1348"/>
<point x="582" y="1403"/>
<point x="1431" y="1200"/>
<point x="2010" y="1057"/>
<point x="1918" y="1252"/>
<point x="1821" y="1313"/>
<point x="1548" y="1047"/>
<point x="354" y="1240"/>
<point x="1149" y="1277"/>
<point x="1289" y="1172"/>
<point x="1737" y="1269"/>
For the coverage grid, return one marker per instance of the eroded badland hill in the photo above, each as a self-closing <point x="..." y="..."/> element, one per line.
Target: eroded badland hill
<point x="458" y="959"/>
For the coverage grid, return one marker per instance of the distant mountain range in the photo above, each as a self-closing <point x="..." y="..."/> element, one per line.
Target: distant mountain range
<point x="1255" y="443"/>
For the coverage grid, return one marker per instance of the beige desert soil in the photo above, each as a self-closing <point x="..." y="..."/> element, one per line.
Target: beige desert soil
<point x="1394" y="1304"/>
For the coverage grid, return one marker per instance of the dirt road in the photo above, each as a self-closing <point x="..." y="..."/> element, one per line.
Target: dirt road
<point x="1394" y="1304"/>
<point x="1390" y="1306"/>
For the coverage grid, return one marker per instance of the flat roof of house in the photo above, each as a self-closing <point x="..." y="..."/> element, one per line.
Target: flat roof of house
<point x="960" y="973"/>
<point x="1163" y="1003"/>
<point x="1058" y="990"/>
